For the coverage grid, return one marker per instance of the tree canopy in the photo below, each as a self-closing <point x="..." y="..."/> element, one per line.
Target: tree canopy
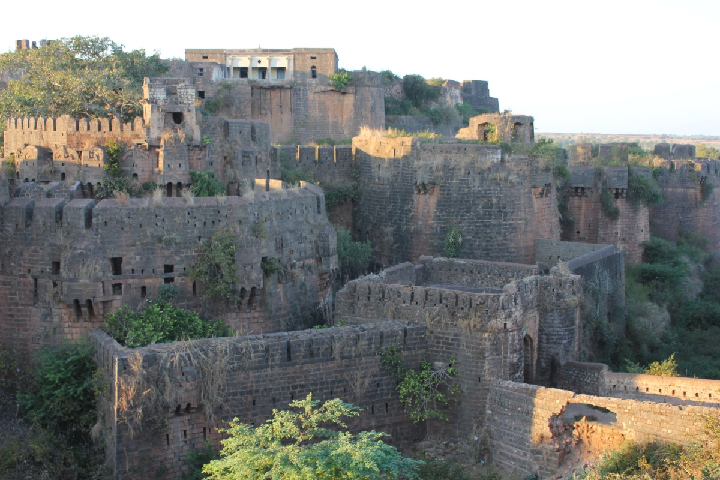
<point x="78" y="76"/>
<point x="298" y="446"/>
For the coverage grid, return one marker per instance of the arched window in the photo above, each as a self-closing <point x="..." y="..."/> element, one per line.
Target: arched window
<point x="313" y="72"/>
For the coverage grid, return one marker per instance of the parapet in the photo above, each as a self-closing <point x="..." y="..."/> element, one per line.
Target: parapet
<point x="503" y="127"/>
<point x="673" y="151"/>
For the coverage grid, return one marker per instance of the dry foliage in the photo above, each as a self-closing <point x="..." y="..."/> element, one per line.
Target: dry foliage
<point x="157" y="198"/>
<point x="188" y="196"/>
<point x="147" y="394"/>
<point x="122" y="198"/>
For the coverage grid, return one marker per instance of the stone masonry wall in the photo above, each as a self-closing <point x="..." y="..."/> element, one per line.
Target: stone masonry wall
<point x="484" y="332"/>
<point x="64" y="265"/>
<point x="597" y="379"/>
<point x="592" y="224"/>
<point x="260" y="373"/>
<point x="412" y="192"/>
<point x="685" y="207"/>
<point x="527" y="433"/>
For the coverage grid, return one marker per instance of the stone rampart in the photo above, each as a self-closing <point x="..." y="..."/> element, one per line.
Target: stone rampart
<point x="258" y="374"/>
<point x="514" y="334"/>
<point x="592" y="224"/>
<point x="529" y="432"/>
<point x="691" y="200"/>
<point x="65" y="264"/>
<point x="597" y="379"/>
<point x="330" y="165"/>
<point x="412" y="192"/>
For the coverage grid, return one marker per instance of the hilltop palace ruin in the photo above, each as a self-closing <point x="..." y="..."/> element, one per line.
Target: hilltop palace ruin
<point x="509" y="309"/>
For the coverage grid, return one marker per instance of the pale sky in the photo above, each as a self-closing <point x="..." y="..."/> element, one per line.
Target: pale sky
<point x="631" y="66"/>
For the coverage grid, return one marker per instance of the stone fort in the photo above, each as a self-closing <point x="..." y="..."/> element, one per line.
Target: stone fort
<point x="509" y="310"/>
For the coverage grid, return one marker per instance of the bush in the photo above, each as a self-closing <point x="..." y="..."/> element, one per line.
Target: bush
<point x="421" y="391"/>
<point x="608" y="205"/>
<point x="215" y="265"/>
<point x="270" y="266"/>
<point x="466" y="112"/>
<point x="353" y="257"/>
<point x="643" y="190"/>
<point x="394" y="106"/>
<point x="453" y="241"/>
<point x="62" y="398"/>
<point x="204" y="184"/>
<point x="160" y="322"/>
<point x="666" y="368"/>
<point x="9" y="168"/>
<point x="336" y="196"/>
<point x="341" y="79"/>
<point x="443" y="115"/>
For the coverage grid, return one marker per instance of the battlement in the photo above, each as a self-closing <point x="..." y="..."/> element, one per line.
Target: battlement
<point x="67" y="124"/>
<point x="501" y="127"/>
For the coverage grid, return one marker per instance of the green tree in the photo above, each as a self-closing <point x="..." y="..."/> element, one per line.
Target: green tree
<point x="78" y="76"/>
<point x="299" y="446"/>
<point x="418" y="91"/>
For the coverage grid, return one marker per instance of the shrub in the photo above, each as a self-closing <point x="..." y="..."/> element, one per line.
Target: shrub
<point x="62" y="397"/>
<point x="204" y="184"/>
<point x="270" y="266"/>
<point x="341" y="79"/>
<point x="302" y="446"/>
<point x="466" y="112"/>
<point x="421" y="391"/>
<point x="160" y="322"/>
<point x="336" y="196"/>
<point x="259" y="229"/>
<point x="705" y="151"/>
<point x="643" y="190"/>
<point x="9" y="167"/>
<point x="443" y="115"/>
<point x="453" y="241"/>
<point x="608" y="205"/>
<point x="666" y="368"/>
<point x="353" y="257"/>
<point x="215" y="266"/>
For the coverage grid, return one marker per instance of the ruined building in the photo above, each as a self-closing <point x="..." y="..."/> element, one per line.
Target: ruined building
<point x="289" y="89"/>
<point x="66" y="260"/>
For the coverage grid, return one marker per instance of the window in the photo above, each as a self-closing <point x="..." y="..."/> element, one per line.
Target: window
<point x="313" y="72"/>
<point x="313" y="57"/>
<point x="116" y="263"/>
<point x="205" y="57"/>
<point x="200" y="72"/>
<point x="56" y="268"/>
<point x="281" y="73"/>
<point x="262" y="73"/>
<point x="243" y="72"/>
<point x="177" y="117"/>
<point x="201" y="94"/>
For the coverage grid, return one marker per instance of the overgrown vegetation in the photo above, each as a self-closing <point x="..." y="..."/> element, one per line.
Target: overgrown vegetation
<point x="453" y="241"/>
<point x="353" y="257"/>
<point x="59" y="399"/>
<point x="341" y="79"/>
<point x="204" y="184"/>
<point x="659" y="461"/>
<point x="706" y="151"/>
<point x="114" y="180"/>
<point x="336" y="196"/>
<point x="270" y="266"/>
<point x="159" y="321"/>
<point x="425" y="393"/>
<point x="607" y="202"/>
<point x="78" y="76"/>
<point x="643" y="190"/>
<point x="9" y="167"/>
<point x="215" y="267"/>
<point x="302" y="446"/>
<point x="672" y="311"/>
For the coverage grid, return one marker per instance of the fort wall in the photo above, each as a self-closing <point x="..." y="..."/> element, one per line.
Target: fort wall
<point x="691" y="201"/>
<point x="260" y="373"/>
<point x="411" y="192"/>
<point x="517" y="333"/>
<point x="597" y="379"/>
<point x="529" y="432"/>
<point x="602" y="268"/>
<point x="63" y="265"/>
<point x="592" y="224"/>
